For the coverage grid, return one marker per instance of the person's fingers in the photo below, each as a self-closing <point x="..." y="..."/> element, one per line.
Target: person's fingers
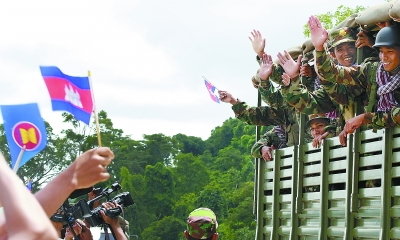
<point x="269" y="155"/>
<point x="269" y="58"/>
<point x="343" y="138"/>
<point x="299" y="59"/>
<point x="103" y="214"/>
<point x="281" y="57"/>
<point x="104" y="176"/>
<point x="314" y="143"/>
<point x="287" y="55"/>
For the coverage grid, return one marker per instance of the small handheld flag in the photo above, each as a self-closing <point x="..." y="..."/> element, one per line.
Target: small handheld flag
<point x="24" y="128"/>
<point x="67" y="93"/>
<point x="29" y="185"/>
<point x="212" y="90"/>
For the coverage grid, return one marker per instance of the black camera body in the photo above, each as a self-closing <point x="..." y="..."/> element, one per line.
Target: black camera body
<point x="123" y="199"/>
<point x="81" y="209"/>
<point x="71" y="212"/>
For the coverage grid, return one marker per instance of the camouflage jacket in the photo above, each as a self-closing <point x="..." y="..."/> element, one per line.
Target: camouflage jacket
<point x="316" y="102"/>
<point x="276" y="137"/>
<point x="361" y="86"/>
<point x="273" y="96"/>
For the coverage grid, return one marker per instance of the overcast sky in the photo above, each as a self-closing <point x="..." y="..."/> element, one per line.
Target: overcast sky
<point x="147" y="57"/>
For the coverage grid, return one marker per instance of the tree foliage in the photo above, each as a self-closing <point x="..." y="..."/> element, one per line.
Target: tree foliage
<point x="331" y="19"/>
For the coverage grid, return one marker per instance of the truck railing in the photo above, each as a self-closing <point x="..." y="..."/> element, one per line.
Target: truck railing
<point x="333" y="192"/>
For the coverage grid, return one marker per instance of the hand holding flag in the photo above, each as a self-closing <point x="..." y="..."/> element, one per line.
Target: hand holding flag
<point x="212" y="90"/>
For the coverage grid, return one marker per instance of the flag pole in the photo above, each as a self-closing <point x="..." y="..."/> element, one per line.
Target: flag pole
<point x="19" y="159"/>
<point x="94" y="110"/>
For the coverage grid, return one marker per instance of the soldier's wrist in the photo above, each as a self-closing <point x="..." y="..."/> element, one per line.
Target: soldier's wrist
<point x="235" y="101"/>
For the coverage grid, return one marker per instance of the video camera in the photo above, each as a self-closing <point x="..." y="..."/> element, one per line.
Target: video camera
<point x="123" y="200"/>
<point x="82" y="209"/>
<point x="69" y="213"/>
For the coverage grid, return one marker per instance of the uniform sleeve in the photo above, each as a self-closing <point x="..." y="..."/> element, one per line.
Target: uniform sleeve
<point x="386" y="119"/>
<point x="266" y="140"/>
<point x="276" y="75"/>
<point x="261" y="116"/>
<point x="270" y="94"/>
<point x="298" y="96"/>
<point x="329" y="71"/>
<point x="341" y="93"/>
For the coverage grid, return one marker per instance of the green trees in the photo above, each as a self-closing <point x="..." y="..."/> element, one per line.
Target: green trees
<point x="168" y="177"/>
<point x="331" y="19"/>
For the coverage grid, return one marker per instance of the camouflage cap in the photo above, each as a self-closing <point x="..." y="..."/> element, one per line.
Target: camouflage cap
<point x="340" y="35"/>
<point x="202" y="223"/>
<point x="313" y="117"/>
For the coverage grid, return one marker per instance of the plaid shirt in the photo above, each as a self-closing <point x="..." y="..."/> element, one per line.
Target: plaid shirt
<point x="387" y="84"/>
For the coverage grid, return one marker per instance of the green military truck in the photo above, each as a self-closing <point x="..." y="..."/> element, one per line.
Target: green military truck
<point x="358" y="186"/>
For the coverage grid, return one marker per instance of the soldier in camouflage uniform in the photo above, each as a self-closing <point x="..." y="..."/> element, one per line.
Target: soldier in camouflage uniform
<point x="320" y="128"/>
<point x="329" y="96"/>
<point x="202" y="224"/>
<point x="268" y="71"/>
<point x="276" y="137"/>
<point x="377" y="81"/>
<point x="283" y="135"/>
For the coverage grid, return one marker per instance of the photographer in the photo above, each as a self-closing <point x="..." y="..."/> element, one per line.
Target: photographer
<point x="87" y="170"/>
<point x="113" y="222"/>
<point x="81" y="230"/>
<point x="116" y="223"/>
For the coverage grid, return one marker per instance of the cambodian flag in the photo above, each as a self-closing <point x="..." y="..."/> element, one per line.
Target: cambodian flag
<point x="67" y="93"/>
<point x="24" y="126"/>
<point x="212" y="90"/>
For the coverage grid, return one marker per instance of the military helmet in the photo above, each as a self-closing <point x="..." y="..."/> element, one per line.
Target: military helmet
<point x="340" y="35"/>
<point x="387" y="36"/>
<point x="202" y="223"/>
<point x="313" y="117"/>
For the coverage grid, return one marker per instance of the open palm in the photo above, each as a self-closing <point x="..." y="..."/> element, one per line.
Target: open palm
<point x="318" y="33"/>
<point x="266" y="67"/>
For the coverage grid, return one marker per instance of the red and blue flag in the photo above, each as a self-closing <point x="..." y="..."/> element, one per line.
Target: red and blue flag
<point x="70" y="94"/>
<point x="212" y="90"/>
<point x="24" y="126"/>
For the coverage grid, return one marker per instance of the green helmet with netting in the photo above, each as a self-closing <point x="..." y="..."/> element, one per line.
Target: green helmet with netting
<point x="202" y="223"/>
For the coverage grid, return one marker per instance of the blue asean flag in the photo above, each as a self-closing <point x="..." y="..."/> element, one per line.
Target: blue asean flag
<point x="24" y="126"/>
<point x="29" y="185"/>
<point x="68" y="93"/>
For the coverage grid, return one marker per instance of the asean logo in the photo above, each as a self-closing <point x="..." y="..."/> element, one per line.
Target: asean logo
<point x="26" y="133"/>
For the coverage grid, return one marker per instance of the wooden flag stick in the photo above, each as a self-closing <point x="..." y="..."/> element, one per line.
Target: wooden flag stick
<point x="19" y="159"/>
<point x="94" y="111"/>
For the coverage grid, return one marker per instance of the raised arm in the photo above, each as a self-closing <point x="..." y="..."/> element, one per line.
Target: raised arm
<point x="87" y="170"/>
<point x="268" y="142"/>
<point x="24" y="217"/>
<point x="262" y="116"/>
<point x="307" y="102"/>
<point x="258" y="43"/>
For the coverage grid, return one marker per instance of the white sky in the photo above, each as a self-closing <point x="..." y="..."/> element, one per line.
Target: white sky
<point x="147" y="57"/>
